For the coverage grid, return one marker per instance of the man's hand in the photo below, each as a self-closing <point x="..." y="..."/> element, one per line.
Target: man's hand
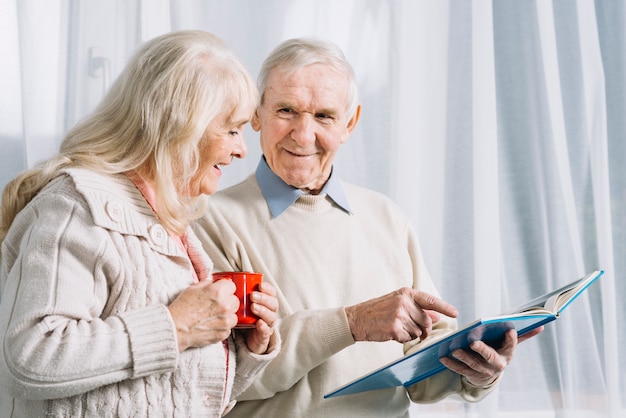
<point x="402" y="315"/>
<point x="481" y="365"/>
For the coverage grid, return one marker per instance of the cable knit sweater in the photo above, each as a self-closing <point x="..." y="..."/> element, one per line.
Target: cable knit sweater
<point x="321" y="258"/>
<point x="86" y="275"/>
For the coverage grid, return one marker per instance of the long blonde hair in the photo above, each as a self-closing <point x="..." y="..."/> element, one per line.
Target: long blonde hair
<point x="151" y="121"/>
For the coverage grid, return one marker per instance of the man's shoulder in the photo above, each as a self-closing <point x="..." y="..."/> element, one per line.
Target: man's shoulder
<point x="374" y="206"/>
<point x="245" y="189"/>
<point x="362" y="191"/>
<point x="363" y="195"/>
<point x="238" y="200"/>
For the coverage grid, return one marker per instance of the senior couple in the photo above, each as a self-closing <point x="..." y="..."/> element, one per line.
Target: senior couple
<point x="106" y="299"/>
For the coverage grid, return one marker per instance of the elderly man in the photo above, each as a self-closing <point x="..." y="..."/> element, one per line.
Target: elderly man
<point x="345" y="261"/>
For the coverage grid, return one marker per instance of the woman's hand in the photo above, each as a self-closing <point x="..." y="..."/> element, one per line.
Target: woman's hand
<point x="265" y="306"/>
<point x="205" y="313"/>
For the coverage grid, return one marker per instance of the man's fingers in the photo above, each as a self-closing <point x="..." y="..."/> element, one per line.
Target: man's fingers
<point x="434" y="316"/>
<point x="429" y="302"/>
<point x="530" y="334"/>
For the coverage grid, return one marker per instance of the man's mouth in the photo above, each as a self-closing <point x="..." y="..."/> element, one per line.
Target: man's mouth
<point x="296" y="154"/>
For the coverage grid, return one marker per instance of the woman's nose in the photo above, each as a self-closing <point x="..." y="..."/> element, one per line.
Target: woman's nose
<point x="241" y="149"/>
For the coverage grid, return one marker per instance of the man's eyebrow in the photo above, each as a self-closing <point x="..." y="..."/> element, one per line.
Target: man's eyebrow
<point x="324" y="111"/>
<point x="282" y="105"/>
<point x="327" y="111"/>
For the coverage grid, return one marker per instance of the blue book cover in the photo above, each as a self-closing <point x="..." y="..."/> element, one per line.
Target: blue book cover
<point x="424" y="363"/>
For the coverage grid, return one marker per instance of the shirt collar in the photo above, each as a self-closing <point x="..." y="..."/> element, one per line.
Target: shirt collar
<point x="279" y="195"/>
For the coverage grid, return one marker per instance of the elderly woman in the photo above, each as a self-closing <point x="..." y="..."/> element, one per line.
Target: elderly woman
<point x="107" y="307"/>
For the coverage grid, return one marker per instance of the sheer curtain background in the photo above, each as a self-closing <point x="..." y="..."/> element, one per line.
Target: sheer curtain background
<point x="498" y="126"/>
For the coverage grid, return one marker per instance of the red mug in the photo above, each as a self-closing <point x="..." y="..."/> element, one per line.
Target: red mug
<point x="246" y="282"/>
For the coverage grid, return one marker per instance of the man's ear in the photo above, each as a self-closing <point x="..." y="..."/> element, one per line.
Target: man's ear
<point x="255" y="122"/>
<point x="352" y="122"/>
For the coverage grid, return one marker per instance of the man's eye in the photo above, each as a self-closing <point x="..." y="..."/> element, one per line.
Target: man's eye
<point x="233" y="133"/>
<point x="324" y="118"/>
<point x="285" y="113"/>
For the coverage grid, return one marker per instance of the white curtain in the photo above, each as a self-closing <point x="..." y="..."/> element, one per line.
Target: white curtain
<point x="498" y="126"/>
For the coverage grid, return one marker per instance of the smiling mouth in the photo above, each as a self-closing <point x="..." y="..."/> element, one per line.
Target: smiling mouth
<point x="295" y="154"/>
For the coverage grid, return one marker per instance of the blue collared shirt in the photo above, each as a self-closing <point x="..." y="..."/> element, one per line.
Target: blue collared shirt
<point x="279" y="195"/>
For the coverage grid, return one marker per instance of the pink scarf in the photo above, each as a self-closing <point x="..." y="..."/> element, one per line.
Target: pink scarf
<point x="200" y="270"/>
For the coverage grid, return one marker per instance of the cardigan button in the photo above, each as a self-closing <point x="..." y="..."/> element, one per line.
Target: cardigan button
<point x="158" y="234"/>
<point x="114" y="210"/>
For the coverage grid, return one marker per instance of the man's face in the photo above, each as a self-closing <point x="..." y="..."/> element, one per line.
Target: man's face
<point x="302" y="123"/>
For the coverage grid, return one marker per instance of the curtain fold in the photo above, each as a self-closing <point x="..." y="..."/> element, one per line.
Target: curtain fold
<point x="12" y="148"/>
<point x="498" y="126"/>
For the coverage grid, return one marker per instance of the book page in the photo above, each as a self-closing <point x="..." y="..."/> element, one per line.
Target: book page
<point x="558" y="299"/>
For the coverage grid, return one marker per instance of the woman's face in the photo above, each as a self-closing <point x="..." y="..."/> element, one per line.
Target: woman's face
<point x="221" y="142"/>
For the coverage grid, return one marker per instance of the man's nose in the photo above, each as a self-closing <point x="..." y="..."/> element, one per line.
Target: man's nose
<point x="303" y="131"/>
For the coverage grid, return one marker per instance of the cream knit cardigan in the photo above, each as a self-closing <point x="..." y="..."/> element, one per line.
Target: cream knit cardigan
<point x="86" y="274"/>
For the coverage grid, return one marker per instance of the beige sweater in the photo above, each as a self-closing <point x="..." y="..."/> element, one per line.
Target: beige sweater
<point x="321" y="259"/>
<point x="86" y="274"/>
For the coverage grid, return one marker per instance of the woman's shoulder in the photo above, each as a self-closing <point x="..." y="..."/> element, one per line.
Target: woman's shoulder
<point x="112" y="200"/>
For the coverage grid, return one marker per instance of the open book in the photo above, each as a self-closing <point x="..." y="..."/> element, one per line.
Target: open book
<point x="424" y="363"/>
